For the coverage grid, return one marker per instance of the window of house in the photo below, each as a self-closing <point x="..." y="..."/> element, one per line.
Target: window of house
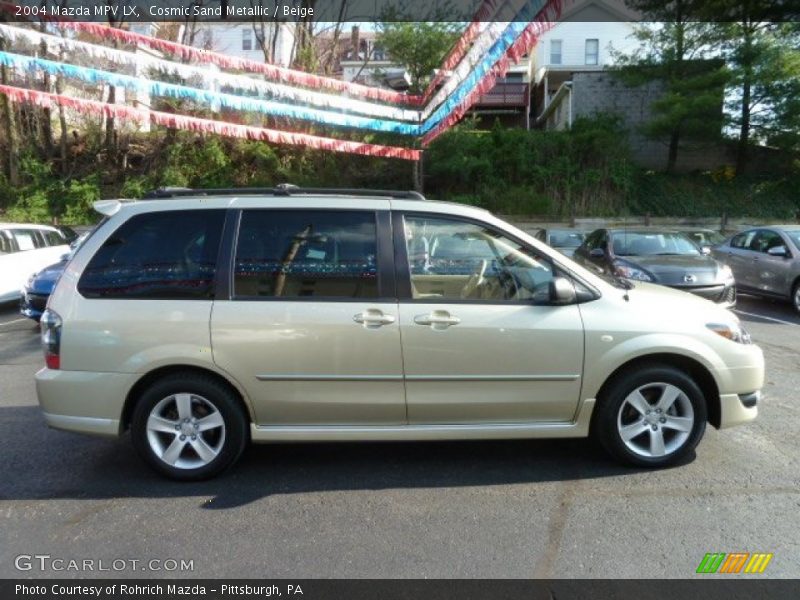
<point x="306" y="253"/>
<point x="165" y="255"/>
<point x="451" y="259"/>
<point x="592" y="51"/>
<point x="247" y="39"/>
<point x="555" y="52"/>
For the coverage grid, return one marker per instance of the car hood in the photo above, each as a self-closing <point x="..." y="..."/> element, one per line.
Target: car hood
<point x="44" y="281"/>
<point x="673" y="270"/>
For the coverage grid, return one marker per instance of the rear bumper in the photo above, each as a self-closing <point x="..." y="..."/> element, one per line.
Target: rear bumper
<point x="83" y="401"/>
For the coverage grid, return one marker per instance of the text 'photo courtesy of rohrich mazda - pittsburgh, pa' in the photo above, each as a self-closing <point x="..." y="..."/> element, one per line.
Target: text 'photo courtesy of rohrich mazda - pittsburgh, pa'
<point x="431" y="299"/>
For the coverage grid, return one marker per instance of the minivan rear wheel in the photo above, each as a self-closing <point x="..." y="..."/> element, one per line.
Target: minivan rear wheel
<point x="189" y="426"/>
<point x="651" y="417"/>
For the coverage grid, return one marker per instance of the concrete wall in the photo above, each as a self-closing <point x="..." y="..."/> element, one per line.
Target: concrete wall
<point x="601" y="92"/>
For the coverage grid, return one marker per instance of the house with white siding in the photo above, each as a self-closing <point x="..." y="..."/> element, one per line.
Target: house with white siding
<point x="586" y="39"/>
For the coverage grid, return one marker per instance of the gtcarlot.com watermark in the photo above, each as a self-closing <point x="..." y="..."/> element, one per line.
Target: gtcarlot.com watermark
<point x="47" y="563"/>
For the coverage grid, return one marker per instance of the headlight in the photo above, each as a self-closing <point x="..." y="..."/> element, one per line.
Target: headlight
<point x="725" y="273"/>
<point x="731" y="331"/>
<point x="630" y="272"/>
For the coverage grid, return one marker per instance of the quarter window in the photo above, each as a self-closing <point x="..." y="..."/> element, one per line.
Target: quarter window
<point x="457" y="260"/>
<point x="54" y="238"/>
<point x="159" y="255"/>
<point x="306" y="253"/>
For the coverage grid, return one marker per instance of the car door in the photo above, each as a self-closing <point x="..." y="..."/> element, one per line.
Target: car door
<point x="771" y="273"/>
<point x="310" y="328"/>
<point x="738" y="255"/>
<point x="480" y="345"/>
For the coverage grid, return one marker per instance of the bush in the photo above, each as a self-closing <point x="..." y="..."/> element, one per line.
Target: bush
<point x="586" y="169"/>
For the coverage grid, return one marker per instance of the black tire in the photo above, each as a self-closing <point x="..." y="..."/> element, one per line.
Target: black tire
<point x="796" y="296"/>
<point x="614" y="411"/>
<point x="207" y="393"/>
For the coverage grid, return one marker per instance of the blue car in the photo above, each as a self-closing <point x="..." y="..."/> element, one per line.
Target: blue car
<point x="40" y="285"/>
<point x="38" y="289"/>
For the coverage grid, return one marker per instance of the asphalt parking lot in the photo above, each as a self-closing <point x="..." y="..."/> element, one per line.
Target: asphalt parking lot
<point x="495" y="509"/>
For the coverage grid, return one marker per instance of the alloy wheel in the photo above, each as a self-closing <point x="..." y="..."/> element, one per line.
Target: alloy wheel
<point x="655" y="420"/>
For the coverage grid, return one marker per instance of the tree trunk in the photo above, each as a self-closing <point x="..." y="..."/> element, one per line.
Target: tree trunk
<point x="112" y="95"/>
<point x="11" y="166"/>
<point x="62" y="121"/>
<point x="747" y="81"/>
<point x="744" y="131"/>
<point x="672" y="155"/>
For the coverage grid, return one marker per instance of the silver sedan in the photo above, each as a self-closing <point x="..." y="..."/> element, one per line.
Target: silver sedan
<point x="765" y="261"/>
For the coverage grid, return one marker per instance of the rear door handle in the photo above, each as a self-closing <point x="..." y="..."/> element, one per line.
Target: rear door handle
<point x="438" y="319"/>
<point x="372" y="318"/>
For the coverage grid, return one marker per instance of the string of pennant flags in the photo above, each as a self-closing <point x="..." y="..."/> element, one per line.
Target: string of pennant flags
<point x="484" y="52"/>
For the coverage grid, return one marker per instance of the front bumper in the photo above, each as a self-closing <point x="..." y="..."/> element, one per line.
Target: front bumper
<point x="722" y="294"/>
<point x="736" y="409"/>
<point x="83" y="401"/>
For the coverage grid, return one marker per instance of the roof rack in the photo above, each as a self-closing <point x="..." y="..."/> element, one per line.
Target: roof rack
<point x="283" y="189"/>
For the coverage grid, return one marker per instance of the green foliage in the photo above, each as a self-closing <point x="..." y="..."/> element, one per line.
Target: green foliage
<point x="420" y="46"/>
<point x="586" y="169"/>
<point x="79" y="195"/>
<point x="673" y="57"/>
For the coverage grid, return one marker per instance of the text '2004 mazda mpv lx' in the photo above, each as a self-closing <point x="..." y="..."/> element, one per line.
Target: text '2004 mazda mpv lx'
<point x="201" y="320"/>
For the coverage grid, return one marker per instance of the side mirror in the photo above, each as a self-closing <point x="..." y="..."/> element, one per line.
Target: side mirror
<point x="597" y="253"/>
<point x="562" y="291"/>
<point x="778" y="251"/>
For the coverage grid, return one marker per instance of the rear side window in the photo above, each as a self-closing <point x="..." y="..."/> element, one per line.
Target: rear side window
<point x="306" y="253"/>
<point x="160" y="255"/>
<point x="26" y="239"/>
<point x="743" y="240"/>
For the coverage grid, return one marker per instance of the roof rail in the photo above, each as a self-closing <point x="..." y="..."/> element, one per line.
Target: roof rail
<point x="283" y="189"/>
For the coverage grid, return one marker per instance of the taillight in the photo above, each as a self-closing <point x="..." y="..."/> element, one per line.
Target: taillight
<point x="51" y="338"/>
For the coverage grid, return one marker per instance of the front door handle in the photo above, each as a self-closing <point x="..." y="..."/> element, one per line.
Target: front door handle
<point x="372" y="318"/>
<point x="438" y="319"/>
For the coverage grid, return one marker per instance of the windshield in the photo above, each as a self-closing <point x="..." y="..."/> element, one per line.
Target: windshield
<point x="794" y="234"/>
<point x="566" y="239"/>
<point x="653" y="244"/>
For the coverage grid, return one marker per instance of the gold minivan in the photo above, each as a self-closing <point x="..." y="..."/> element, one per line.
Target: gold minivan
<point x="203" y="319"/>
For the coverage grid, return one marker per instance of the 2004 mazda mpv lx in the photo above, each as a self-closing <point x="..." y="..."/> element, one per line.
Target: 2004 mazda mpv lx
<point x="200" y="320"/>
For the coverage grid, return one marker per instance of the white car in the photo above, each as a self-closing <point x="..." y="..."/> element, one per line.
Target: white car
<point x="26" y="249"/>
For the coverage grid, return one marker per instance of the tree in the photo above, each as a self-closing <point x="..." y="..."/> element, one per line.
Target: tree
<point x="419" y="46"/>
<point x="673" y="51"/>
<point x="761" y="45"/>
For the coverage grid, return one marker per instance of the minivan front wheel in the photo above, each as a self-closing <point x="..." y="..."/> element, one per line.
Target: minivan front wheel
<point x="651" y="417"/>
<point x="188" y="426"/>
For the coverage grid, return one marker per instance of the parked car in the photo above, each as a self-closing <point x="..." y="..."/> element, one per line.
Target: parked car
<point x="658" y="256"/>
<point x="25" y="249"/>
<point x="705" y="238"/>
<point x="202" y="320"/>
<point x="563" y="240"/>
<point x="40" y="285"/>
<point x="766" y="261"/>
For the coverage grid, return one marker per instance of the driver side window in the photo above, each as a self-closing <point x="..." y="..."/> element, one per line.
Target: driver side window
<point x="457" y="260"/>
